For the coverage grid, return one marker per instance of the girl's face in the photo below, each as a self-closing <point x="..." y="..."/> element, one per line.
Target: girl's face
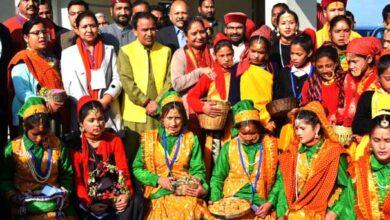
<point x="38" y="134"/>
<point x="257" y="53"/>
<point x="88" y="30"/>
<point x="94" y="123"/>
<point x="358" y="65"/>
<point x="287" y="25"/>
<point x="380" y="143"/>
<point x="173" y="121"/>
<point x="384" y="80"/>
<point x="249" y="134"/>
<point x="340" y="33"/>
<point x="196" y="36"/>
<point x="326" y="68"/>
<point x="37" y="38"/>
<point x="224" y="57"/>
<point x="305" y="131"/>
<point x="299" y="56"/>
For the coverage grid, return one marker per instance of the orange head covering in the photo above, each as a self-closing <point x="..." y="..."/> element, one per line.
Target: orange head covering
<point x="218" y="38"/>
<point x="317" y="108"/>
<point x="235" y="17"/>
<point x="365" y="46"/>
<point x="325" y="3"/>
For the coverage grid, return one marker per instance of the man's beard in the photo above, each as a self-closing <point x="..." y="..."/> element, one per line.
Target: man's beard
<point x="121" y="21"/>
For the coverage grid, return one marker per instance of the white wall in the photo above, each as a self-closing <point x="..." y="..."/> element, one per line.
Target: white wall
<point x="306" y="10"/>
<point x="7" y="9"/>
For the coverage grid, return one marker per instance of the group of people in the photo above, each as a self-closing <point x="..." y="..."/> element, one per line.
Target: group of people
<point x="103" y="122"/>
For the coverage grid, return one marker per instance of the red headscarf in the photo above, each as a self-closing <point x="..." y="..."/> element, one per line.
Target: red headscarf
<point x="218" y="38"/>
<point x="82" y="101"/>
<point x="244" y="64"/>
<point x="365" y="46"/>
<point x="312" y="34"/>
<point x="250" y="27"/>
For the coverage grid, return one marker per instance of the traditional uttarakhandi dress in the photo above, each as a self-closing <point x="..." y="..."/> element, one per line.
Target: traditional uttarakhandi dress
<point x="372" y="184"/>
<point x="179" y="156"/>
<point x="313" y="180"/>
<point x="29" y="167"/>
<point x="242" y="167"/>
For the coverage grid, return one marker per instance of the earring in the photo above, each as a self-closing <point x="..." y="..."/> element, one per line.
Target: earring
<point x="82" y="129"/>
<point x="277" y="33"/>
<point x="317" y="136"/>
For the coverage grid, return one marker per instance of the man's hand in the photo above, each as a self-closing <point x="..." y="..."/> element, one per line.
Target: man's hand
<point x="151" y="108"/>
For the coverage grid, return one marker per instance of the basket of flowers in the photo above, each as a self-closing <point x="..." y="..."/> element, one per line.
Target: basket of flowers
<point x="106" y="182"/>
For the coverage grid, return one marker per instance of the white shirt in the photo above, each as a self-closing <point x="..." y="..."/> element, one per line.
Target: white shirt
<point x="238" y="51"/>
<point x="302" y="71"/>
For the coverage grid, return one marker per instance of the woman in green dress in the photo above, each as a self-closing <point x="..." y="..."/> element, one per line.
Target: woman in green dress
<point x="312" y="182"/>
<point x="246" y="166"/>
<point x="37" y="173"/>
<point x="167" y="155"/>
<point x="371" y="173"/>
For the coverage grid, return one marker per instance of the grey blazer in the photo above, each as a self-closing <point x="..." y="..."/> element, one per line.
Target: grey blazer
<point x="75" y="83"/>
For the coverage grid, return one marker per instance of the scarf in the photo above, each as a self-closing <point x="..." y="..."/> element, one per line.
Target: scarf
<point x="315" y="88"/>
<point x="91" y="61"/>
<point x="320" y="183"/>
<point x="195" y="61"/>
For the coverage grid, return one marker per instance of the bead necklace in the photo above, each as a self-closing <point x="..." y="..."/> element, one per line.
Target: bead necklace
<point x="31" y="165"/>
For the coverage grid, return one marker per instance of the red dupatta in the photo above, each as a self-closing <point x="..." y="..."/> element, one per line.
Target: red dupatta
<point x="197" y="60"/>
<point x="91" y="61"/>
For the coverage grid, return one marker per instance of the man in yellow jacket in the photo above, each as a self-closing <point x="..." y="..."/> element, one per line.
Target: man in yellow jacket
<point x="331" y="9"/>
<point x="144" y="71"/>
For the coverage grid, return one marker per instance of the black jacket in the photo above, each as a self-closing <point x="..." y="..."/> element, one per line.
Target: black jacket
<point x="5" y="57"/>
<point x="167" y="36"/>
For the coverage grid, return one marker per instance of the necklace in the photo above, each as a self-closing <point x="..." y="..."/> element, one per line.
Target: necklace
<point x="168" y="161"/>
<point x="258" y="173"/>
<point x="35" y="168"/>
<point x="329" y="82"/>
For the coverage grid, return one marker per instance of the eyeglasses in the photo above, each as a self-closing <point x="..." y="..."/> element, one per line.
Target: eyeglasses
<point x="37" y="33"/>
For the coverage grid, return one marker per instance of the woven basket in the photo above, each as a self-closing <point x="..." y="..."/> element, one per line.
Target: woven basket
<point x="344" y="134"/>
<point x="280" y="107"/>
<point x="215" y="123"/>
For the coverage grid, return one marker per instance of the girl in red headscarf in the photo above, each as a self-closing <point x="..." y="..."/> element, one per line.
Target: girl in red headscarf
<point x="221" y="85"/>
<point x="362" y="54"/>
<point x="112" y="196"/>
